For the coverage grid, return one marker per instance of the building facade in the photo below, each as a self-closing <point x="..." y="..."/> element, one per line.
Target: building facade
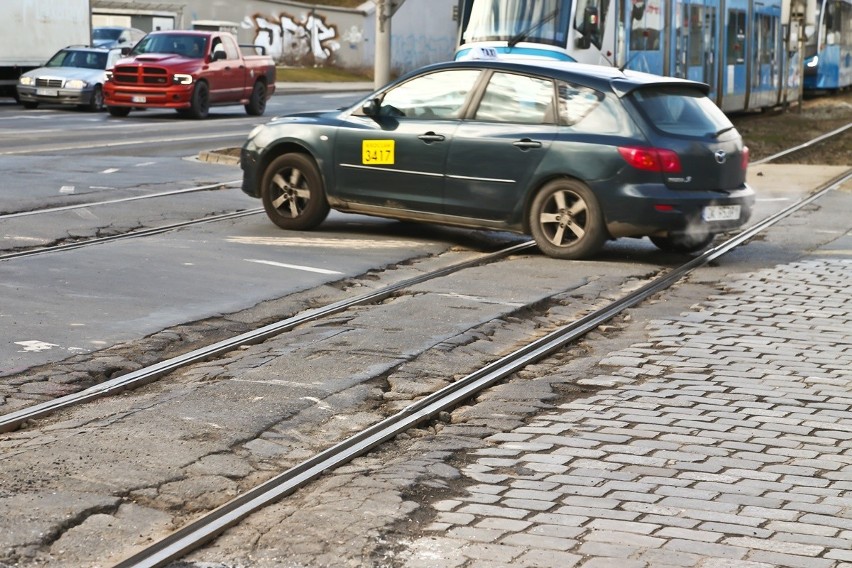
<point x="299" y="33"/>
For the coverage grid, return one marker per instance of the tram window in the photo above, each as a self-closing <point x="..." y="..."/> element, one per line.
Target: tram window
<point x="696" y="35"/>
<point x="736" y="37"/>
<point x="646" y="25"/>
<point x="516" y="98"/>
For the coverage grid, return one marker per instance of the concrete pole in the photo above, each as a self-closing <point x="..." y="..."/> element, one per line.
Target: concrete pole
<point x="381" y="71"/>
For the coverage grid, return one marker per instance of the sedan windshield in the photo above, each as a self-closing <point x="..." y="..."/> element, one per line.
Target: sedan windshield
<point x="519" y="20"/>
<point x="79" y="58"/>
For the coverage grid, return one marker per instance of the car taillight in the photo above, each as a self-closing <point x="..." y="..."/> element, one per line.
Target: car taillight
<point x="745" y="158"/>
<point x="651" y="159"/>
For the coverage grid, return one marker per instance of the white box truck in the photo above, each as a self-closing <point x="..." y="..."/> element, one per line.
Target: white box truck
<point x="33" y="30"/>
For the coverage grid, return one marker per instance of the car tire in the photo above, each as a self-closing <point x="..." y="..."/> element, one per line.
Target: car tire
<point x="257" y="103"/>
<point x="29" y="104"/>
<point x="683" y="243"/>
<point x="96" y="103"/>
<point x="566" y="220"/>
<point x="200" y="104"/>
<point x="292" y="192"/>
<point x="118" y="111"/>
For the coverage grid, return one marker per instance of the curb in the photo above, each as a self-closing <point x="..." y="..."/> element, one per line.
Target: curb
<point x="219" y="156"/>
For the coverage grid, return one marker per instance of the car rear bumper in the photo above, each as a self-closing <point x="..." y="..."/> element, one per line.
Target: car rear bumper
<point x="657" y="210"/>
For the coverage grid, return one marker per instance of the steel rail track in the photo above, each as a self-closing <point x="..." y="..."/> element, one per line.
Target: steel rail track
<point x="804" y="146"/>
<point x="209" y="187"/>
<point x="13" y="420"/>
<point x="206" y="528"/>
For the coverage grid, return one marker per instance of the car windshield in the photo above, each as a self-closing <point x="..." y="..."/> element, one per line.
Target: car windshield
<point x="106" y="33"/>
<point x="680" y="110"/>
<point x="180" y="44"/>
<point x="79" y="58"/>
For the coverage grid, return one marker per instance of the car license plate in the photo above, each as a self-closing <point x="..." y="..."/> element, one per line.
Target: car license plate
<point x="137" y="99"/>
<point x="47" y="92"/>
<point x="377" y="152"/>
<point x="721" y="213"/>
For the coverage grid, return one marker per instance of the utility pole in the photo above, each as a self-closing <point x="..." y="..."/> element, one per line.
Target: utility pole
<point x="385" y="9"/>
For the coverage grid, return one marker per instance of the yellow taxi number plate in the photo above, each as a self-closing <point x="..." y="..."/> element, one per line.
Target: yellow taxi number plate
<point x="377" y="152"/>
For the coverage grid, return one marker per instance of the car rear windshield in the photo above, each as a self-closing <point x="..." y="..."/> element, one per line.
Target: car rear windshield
<point x="680" y="110"/>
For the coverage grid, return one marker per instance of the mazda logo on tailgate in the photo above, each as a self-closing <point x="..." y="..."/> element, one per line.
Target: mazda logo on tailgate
<point x="721" y="156"/>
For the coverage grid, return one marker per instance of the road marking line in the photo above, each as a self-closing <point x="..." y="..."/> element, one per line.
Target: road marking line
<point x="293" y="266"/>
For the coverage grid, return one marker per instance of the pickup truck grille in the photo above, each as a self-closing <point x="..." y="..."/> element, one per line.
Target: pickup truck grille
<point x="133" y="75"/>
<point x="49" y="83"/>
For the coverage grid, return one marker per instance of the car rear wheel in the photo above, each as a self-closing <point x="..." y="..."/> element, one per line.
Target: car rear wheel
<point x="257" y="103"/>
<point x="200" y="104"/>
<point x="293" y="194"/>
<point x="683" y="243"/>
<point x="118" y="111"/>
<point x="566" y="220"/>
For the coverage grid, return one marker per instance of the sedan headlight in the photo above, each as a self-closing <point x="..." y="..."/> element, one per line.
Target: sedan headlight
<point x="75" y="84"/>
<point x="182" y="79"/>
<point x="107" y="75"/>
<point x="27" y="81"/>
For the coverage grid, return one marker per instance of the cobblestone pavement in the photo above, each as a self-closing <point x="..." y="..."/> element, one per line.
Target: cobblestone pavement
<point x="723" y="441"/>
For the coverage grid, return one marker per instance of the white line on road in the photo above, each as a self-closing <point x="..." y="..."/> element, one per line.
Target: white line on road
<point x="293" y="266"/>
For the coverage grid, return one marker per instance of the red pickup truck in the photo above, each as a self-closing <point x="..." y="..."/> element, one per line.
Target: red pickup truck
<point x="189" y="71"/>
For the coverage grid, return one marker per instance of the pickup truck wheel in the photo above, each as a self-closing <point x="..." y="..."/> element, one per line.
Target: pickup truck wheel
<point x="200" y="104"/>
<point x="257" y="103"/>
<point x="293" y="194"/>
<point x="119" y="111"/>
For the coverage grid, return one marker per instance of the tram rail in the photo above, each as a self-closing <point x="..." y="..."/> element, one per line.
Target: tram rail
<point x="206" y="528"/>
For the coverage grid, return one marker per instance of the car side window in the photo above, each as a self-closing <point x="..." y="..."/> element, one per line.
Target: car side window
<point x="576" y="102"/>
<point x="516" y="98"/>
<point x="231" y="48"/>
<point x="439" y="95"/>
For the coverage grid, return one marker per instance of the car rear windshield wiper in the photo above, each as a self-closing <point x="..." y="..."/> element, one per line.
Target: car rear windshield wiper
<point x="723" y="130"/>
<point x="520" y="36"/>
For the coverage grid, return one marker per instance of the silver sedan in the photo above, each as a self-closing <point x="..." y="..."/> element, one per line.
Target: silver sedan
<point x="73" y="76"/>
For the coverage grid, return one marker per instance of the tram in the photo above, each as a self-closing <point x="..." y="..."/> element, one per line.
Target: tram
<point x="737" y="47"/>
<point x="828" y="49"/>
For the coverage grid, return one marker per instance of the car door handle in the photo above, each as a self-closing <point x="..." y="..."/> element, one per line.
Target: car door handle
<point x="526" y="144"/>
<point x="430" y="137"/>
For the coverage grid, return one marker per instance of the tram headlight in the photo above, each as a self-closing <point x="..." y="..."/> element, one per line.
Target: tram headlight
<point x="813" y="61"/>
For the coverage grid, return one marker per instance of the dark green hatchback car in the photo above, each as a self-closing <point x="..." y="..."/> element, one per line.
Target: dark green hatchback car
<point x="571" y="154"/>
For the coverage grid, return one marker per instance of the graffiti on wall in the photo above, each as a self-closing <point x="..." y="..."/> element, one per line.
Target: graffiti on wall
<point x="309" y="39"/>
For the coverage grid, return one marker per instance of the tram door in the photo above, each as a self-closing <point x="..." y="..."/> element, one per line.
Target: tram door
<point x="645" y="38"/>
<point x="734" y="75"/>
<point x="696" y="41"/>
<point x="765" y="56"/>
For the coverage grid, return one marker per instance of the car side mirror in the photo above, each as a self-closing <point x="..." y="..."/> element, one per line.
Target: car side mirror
<point x="125" y="51"/>
<point x="371" y="107"/>
<point x="218" y="55"/>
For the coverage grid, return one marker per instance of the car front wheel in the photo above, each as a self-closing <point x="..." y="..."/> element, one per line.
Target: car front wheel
<point x="292" y="193"/>
<point x="200" y="103"/>
<point x="566" y="220"/>
<point x="118" y="111"/>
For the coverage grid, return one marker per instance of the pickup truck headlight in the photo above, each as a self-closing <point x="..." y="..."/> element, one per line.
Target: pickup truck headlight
<point x="27" y="81"/>
<point x="75" y="84"/>
<point x="182" y="79"/>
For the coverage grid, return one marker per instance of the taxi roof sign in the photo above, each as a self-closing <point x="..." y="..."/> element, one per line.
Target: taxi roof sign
<point x="480" y="53"/>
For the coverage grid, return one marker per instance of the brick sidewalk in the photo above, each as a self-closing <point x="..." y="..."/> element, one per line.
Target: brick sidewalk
<point x="725" y="441"/>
